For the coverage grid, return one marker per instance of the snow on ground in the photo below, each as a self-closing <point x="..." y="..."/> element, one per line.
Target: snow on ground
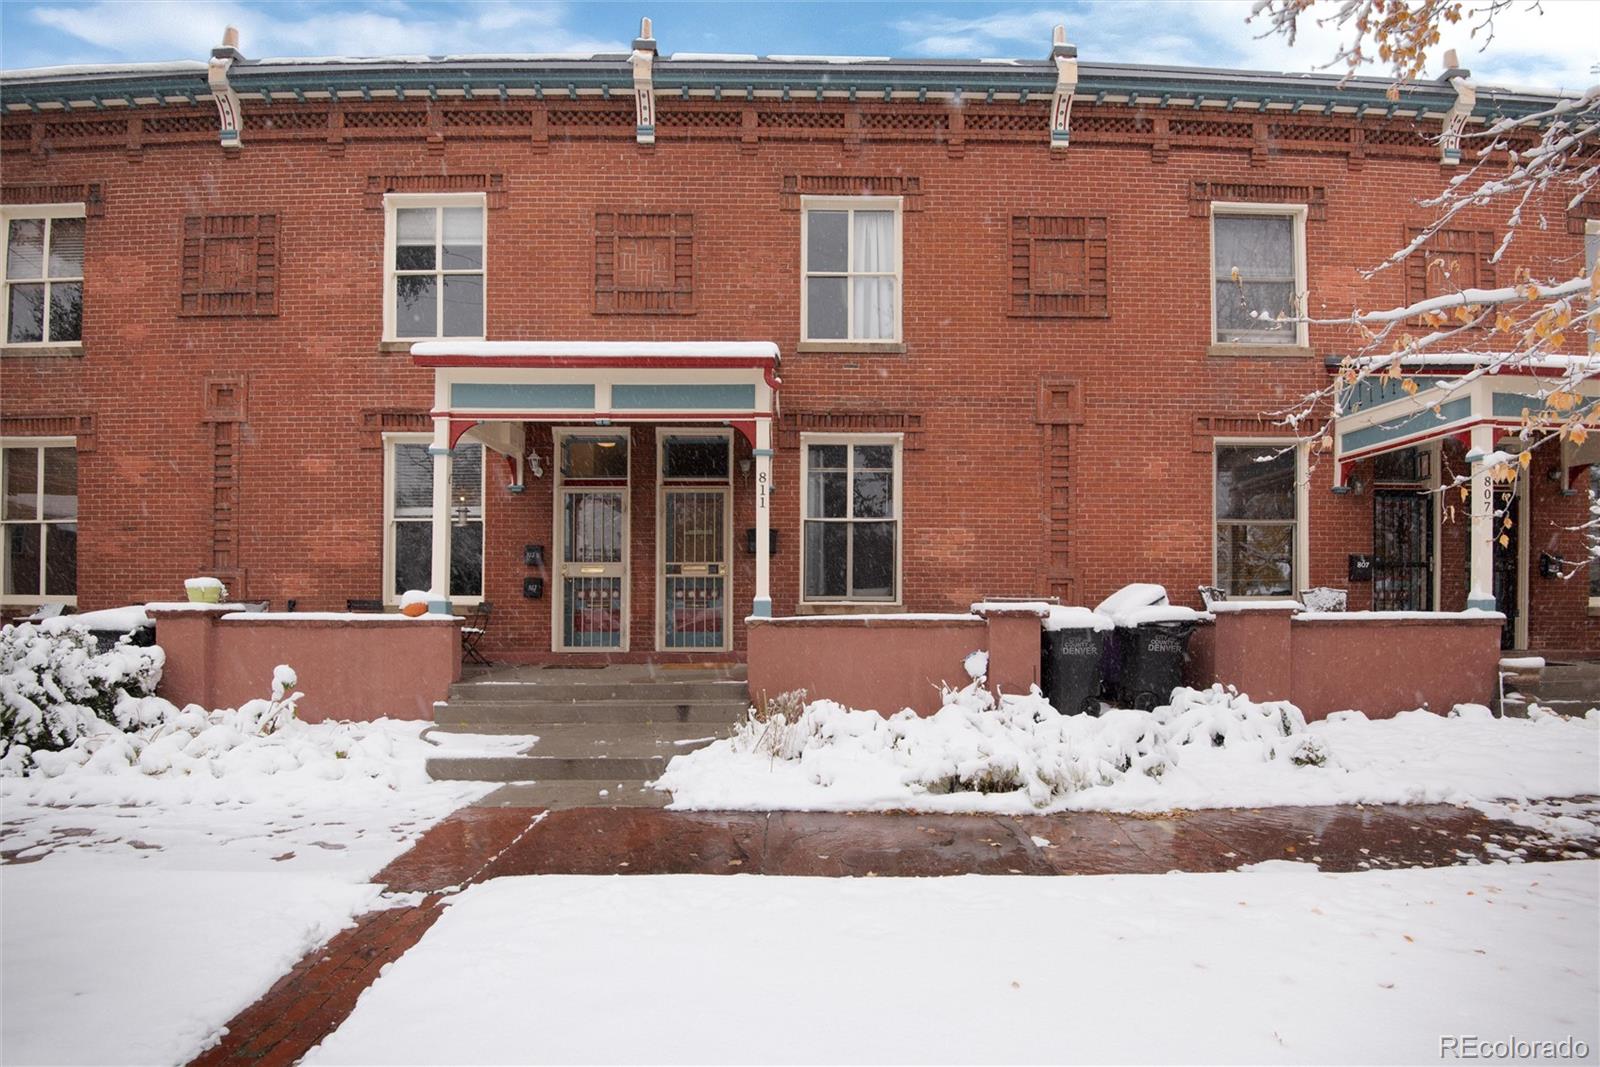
<point x="1278" y="964"/>
<point x="142" y="910"/>
<point x="1024" y="757"/>
<point x="126" y="965"/>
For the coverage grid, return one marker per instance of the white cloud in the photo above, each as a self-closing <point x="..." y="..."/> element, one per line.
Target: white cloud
<point x="1555" y="43"/>
<point x="141" y="29"/>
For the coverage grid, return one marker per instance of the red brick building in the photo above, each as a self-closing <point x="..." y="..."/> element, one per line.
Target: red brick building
<point x="969" y="329"/>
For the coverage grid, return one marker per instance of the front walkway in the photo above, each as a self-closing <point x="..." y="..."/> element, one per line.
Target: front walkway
<point x="480" y="843"/>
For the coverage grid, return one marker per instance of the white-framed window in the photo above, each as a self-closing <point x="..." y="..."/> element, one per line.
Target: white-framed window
<point x="850" y="267"/>
<point x="43" y="273"/>
<point x="408" y="518"/>
<point x="1260" y="509"/>
<point x="1258" y="274"/>
<point x="38" y="520"/>
<point x="850" y="526"/>
<point x="434" y="257"/>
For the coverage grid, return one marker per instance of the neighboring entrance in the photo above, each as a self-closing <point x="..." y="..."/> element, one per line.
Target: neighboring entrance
<point x="1507" y="595"/>
<point x="1402" y="550"/>
<point x="1402" y="531"/>
<point x="591" y="598"/>
<point x="694" y="482"/>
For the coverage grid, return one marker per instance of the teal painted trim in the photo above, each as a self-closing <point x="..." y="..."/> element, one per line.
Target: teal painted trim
<point x="435" y="450"/>
<point x="683" y="397"/>
<point x="1481" y="604"/>
<point x="1510" y="405"/>
<point x="438" y="607"/>
<point x="1405" y="426"/>
<point x="762" y="608"/>
<point x="764" y="452"/>
<point x="1373" y="392"/>
<point x="500" y="396"/>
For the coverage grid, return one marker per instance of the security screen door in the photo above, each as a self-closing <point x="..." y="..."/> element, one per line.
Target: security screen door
<point x="694" y="473"/>
<point x="592" y="513"/>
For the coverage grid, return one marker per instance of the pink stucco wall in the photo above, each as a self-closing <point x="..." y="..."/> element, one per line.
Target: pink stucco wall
<point x="878" y="662"/>
<point x="349" y="668"/>
<point x="1364" y="661"/>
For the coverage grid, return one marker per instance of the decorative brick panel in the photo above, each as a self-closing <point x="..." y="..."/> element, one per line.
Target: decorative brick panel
<point x="1450" y="260"/>
<point x="791" y="424"/>
<point x="90" y="194"/>
<point x="230" y="265"/>
<point x="374" y="424"/>
<point x="643" y="263"/>
<point x="1315" y="197"/>
<point x="78" y="426"/>
<point x="1060" y="409"/>
<point x="797" y="185"/>
<point x="1581" y="212"/>
<point x="1208" y="427"/>
<point x="1058" y="266"/>
<point x="379" y="185"/>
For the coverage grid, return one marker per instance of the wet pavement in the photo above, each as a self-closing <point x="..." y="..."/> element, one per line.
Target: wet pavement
<point x="479" y="843"/>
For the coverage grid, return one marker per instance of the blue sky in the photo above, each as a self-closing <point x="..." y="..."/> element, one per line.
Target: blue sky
<point x="1556" y="44"/>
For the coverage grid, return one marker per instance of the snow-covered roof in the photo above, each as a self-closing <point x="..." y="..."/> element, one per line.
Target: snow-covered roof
<point x="599" y="349"/>
<point x="1497" y="362"/>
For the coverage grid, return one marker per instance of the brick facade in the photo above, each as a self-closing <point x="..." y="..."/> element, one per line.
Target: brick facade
<point x="1064" y="442"/>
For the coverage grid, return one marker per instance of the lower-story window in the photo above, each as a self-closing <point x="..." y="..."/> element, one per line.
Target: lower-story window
<point x="38" y="521"/>
<point x="408" y="540"/>
<point x="1258" y="515"/>
<point x="852" y="518"/>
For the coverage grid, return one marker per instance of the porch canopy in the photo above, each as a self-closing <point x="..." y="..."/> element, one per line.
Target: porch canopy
<point x="488" y="390"/>
<point x="1475" y="398"/>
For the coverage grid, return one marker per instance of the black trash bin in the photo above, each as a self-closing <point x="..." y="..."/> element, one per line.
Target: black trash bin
<point x="139" y="637"/>
<point x="1069" y="667"/>
<point x="1148" y="660"/>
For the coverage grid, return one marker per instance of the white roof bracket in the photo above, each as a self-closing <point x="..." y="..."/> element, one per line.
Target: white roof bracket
<point x="1065" y="57"/>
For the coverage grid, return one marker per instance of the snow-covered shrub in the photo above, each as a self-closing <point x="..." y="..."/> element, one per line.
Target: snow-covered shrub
<point x="1020" y="744"/>
<point x="55" y="687"/>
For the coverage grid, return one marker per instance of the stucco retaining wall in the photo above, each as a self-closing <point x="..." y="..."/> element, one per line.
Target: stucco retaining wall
<point x="355" y="667"/>
<point x="887" y="663"/>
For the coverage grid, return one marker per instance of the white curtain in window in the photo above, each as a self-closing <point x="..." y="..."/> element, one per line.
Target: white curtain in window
<point x="875" y="252"/>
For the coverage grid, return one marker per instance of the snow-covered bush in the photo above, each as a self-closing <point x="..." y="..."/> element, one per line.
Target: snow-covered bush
<point x="1020" y="744"/>
<point x="55" y="687"/>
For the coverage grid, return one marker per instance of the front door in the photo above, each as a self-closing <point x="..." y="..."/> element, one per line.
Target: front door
<point x="1507" y="595"/>
<point x="591" y="602"/>
<point x="1402" y="550"/>
<point x="694" y="504"/>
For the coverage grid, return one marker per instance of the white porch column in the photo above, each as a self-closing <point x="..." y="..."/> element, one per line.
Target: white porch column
<point x="762" y="608"/>
<point x="439" y="580"/>
<point x="1481" y="544"/>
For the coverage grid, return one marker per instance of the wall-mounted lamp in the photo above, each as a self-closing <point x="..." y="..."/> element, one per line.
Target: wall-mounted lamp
<point x="744" y="467"/>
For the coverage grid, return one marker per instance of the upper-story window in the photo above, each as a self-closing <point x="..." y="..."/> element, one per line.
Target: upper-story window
<point x="1258" y="272"/>
<point x="43" y="274"/>
<point x="434" y="276"/>
<point x="850" y="261"/>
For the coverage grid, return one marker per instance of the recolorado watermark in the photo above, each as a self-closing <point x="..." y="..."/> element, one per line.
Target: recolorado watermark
<point x="1474" y="1047"/>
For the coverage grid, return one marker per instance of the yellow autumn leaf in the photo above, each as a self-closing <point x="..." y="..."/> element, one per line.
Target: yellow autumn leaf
<point x="1525" y="458"/>
<point x="1505" y="542"/>
<point x="1579" y="435"/>
<point x="1410" y="386"/>
<point x="1503" y="323"/>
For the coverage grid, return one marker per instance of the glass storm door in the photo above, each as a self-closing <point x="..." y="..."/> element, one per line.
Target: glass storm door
<point x="592" y="510"/>
<point x="694" y="563"/>
<point x="694" y="471"/>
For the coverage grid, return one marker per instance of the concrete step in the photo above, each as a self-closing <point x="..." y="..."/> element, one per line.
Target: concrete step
<point x="601" y="688"/>
<point x="544" y="768"/>
<point x="534" y="713"/>
<point x="601" y="740"/>
<point x="579" y="793"/>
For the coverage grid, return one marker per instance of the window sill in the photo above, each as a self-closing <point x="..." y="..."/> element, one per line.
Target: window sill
<point x="850" y="607"/>
<point x="396" y="346"/>
<point x="1261" y="351"/>
<point x="846" y="348"/>
<point x="15" y="351"/>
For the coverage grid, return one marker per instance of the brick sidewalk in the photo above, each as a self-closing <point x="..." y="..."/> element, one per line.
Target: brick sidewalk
<point x="476" y="844"/>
